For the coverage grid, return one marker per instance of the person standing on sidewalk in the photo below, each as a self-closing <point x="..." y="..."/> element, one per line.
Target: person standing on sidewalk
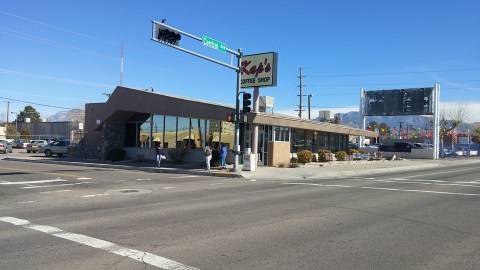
<point x="223" y="155"/>
<point x="159" y="153"/>
<point x="208" y="155"/>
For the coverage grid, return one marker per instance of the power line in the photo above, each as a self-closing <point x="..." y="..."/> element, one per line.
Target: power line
<point x="55" y="79"/>
<point x="363" y="84"/>
<point x="38" y="104"/>
<point x="391" y="73"/>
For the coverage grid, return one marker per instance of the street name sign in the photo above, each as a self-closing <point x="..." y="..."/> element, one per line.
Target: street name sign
<point x="214" y="44"/>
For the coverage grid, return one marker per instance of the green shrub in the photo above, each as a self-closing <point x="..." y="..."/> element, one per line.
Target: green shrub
<point x="352" y="151"/>
<point x="293" y="160"/>
<point x="322" y="155"/>
<point x="341" y="155"/>
<point x="293" y="165"/>
<point x="116" y="154"/>
<point x="304" y="156"/>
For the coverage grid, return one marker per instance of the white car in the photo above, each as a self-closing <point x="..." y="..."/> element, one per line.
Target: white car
<point x="55" y="148"/>
<point x="35" y="145"/>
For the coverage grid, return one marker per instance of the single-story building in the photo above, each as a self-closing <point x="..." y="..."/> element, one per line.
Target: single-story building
<point x="134" y="120"/>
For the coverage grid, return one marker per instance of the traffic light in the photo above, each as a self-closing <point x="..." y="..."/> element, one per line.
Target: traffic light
<point x="231" y="117"/>
<point x="168" y="36"/>
<point x="247" y="102"/>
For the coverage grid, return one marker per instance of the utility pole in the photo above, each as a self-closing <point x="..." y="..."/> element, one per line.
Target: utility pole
<point x="309" y="96"/>
<point x="8" y="110"/>
<point x="300" y="86"/>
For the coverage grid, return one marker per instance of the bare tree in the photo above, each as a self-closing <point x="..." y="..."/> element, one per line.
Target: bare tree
<point x="458" y="115"/>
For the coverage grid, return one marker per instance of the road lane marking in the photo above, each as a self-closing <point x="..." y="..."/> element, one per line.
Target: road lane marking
<point x="95" y="195"/>
<point x="420" y="182"/>
<point x="144" y="179"/>
<point x="33" y="182"/>
<point x="138" y="255"/>
<point x="169" y="187"/>
<point x="441" y="172"/>
<point x="56" y="191"/>
<point x="185" y="176"/>
<point x="389" y="189"/>
<point x="84" y="178"/>
<point x="26" y="202"/>
<point x="60" y="185"/>
<point x="40" y="172"/>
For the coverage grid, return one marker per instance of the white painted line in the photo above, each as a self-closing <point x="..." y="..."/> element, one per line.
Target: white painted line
<point x="390" y="189"/>
<point x="186" y="176"/>
<point x="169" y="187"/>
<point x="84" y="178"/>
<point x="56" y="191"/>
<point x="33" y="182"/>
<point x="253" y="180"/>
<point x="138" y="255"/>
<point x="95" y="195"/>
<point x="144" y="179"/>
<point x="441" y="172"/>
<point x="61" y="185"/>
<point x="26" y="202"/>
<point x="216" y="184"/>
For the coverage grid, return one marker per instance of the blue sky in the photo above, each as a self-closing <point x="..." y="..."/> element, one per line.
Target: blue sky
<point x="64" y="54"/>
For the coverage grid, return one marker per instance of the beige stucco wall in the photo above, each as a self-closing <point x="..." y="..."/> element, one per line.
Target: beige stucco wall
<point x="278" y="152"/>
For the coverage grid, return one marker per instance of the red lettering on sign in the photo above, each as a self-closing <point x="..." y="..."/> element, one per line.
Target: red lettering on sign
<point x="262" y="67"/>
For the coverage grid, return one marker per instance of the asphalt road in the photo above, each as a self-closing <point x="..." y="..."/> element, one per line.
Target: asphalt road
<point x="70" y="217"/>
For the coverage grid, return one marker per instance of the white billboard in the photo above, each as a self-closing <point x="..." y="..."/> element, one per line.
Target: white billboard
<point x="259" y="70"/>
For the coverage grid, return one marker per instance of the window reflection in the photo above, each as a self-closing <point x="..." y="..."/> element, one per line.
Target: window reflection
<point x="183" y="133"/>
<point x="170" y="133"/>
<point x="144" y="138"/>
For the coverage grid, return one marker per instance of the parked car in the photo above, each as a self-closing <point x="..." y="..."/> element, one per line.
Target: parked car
<point x="20" y="143"/>
<point x="399" y="147"/>
<point x="5" y="147"/>
<point x="35" y="145"/>
<point x="55" y="148"/>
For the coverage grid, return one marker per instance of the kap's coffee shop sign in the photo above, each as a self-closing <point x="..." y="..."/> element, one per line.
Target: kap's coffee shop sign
<point x="259" y="70"/>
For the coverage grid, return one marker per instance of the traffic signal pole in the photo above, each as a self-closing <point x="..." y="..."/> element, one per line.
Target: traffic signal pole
<point x="157" y="27"/>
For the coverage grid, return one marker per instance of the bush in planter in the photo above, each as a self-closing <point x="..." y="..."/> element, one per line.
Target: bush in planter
<point x="341" y="155"/>
<point x="322" y="155"/>
<point x="304" y="156"/>
<point x="293" y="160"/>
<point x="352" y="151"/>
<point x="116" y="154"/>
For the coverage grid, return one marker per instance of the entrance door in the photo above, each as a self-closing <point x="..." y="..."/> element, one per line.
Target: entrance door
<point x="264" y="136"/>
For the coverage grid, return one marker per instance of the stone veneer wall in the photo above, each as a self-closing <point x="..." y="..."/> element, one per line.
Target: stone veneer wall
<point x="113" y="136"/>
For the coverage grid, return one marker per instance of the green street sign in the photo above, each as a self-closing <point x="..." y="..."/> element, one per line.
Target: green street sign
<point x="214" y="44"/>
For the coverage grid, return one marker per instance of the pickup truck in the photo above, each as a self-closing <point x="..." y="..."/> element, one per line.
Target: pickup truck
<point x="398" y="147"/>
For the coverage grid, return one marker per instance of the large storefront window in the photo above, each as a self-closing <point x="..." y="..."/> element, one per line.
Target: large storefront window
<point x="144" y="138"/>
<point x="197" y="129"/>
<point x="213" y="133"/>
<point x="170" y="135"/>
<point x="227" y="136"/>
<point x="157" y="129"/>
<point x="322" y="140"/>
<point x="183" y="133"/>
<point x="298" y="140"/>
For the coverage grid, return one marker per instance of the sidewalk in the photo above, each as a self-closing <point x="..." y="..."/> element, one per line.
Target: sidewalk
<point x="307" y="171"/>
